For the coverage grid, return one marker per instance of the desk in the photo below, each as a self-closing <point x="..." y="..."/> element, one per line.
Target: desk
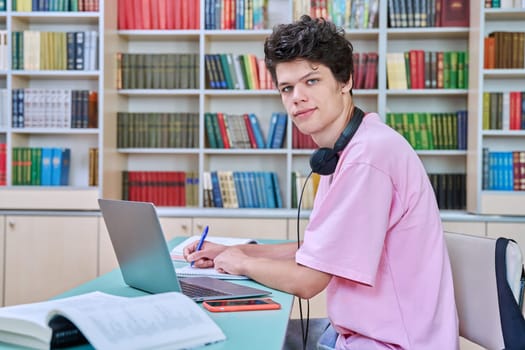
<point x="257" y="330"/>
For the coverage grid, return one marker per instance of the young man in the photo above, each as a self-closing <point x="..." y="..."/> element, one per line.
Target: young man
<point x="374" y="240"/>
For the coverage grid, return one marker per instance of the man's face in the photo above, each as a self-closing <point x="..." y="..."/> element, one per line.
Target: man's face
<point x="312" y="97"/>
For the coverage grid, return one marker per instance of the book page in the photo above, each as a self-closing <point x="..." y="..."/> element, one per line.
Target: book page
<point x="176" y="252"/>
<point x="189" y="271"/>
<point x="160" y="321"/>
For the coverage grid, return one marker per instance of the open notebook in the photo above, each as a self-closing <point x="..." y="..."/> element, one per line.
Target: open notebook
<point x="188" y="271"/>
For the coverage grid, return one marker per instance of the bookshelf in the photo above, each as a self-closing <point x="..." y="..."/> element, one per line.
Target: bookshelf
<point x="496" y="80"/>
<point x="44" y="74"/>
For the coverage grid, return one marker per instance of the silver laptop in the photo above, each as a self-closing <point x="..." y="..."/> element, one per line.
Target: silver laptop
<point x="144" y="258"/>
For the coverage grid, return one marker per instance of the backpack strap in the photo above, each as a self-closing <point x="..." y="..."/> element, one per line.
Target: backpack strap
<point x="512" y="321"/>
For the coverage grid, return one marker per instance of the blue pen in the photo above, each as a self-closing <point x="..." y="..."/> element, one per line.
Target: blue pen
<point x="201" y="242"/>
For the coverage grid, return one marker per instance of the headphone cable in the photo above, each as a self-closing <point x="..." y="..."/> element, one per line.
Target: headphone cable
<point x="304" y="329"/>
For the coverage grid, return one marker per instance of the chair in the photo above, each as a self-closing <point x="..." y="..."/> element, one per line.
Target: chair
<point x="488" y="305"/>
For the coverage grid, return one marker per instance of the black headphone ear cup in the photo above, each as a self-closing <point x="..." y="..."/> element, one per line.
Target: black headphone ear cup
<point x="324" y="161"/>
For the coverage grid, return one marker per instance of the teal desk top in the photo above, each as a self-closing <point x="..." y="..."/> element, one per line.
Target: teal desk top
<point x="254" y="330"/>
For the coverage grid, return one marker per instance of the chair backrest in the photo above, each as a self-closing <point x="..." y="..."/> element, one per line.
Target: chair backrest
<point x="473" y="262"/>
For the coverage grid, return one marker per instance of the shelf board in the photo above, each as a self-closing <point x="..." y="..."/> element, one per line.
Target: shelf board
<point x="239" y="92"/>
<point x="302" y="152"/>
<point x="428" y="92"/>
<point x="442" y="152"/>
<point x="245" y="151"/>
<point x="518" y="73"/>
<point x="52" y="17"/>
<point x="49" y="198"/>
<point x="503" y="133"/>
<point x="504" y="13"/>
<point x="158" y="92"/>
<point x="56" y="74"/>
<point x="51" y="131"/>
<point x="428" y="33"/>
<point x="154" y="34"/>
<point x="362" y="34"/>
<point x="236" y="35"/>
<point x="184" y="151"/>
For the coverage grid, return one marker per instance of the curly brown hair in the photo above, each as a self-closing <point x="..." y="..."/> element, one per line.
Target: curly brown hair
<point x="315" y="40"/>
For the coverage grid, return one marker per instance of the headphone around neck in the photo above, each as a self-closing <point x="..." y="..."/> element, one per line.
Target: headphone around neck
<point x="324" y="160"/>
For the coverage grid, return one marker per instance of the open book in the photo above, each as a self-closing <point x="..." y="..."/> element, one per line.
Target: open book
<point x="176" y="252"/>
<point x="160" y="321"/>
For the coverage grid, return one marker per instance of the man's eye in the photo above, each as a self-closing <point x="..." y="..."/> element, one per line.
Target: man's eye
<point x="312" y="81"/>
<point x="286" y="89"/>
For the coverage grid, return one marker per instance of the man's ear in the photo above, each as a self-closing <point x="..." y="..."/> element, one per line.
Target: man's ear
<point x="347" y="87"/>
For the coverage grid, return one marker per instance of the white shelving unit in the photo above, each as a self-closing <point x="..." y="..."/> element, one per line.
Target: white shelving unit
<point x="77" y="195"/>
<point x="484" y="21"/>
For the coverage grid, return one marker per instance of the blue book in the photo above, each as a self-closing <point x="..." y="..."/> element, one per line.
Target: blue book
<point x="252" y="186"/>
<point x="261" y="191"/>
<point x="241" y="196"/>
<point x="268" y="188"/>
<point x="277" y="190"/>
<point x="271" y="129"/>
<point x="46" y="169"/>
<point x="56" y="166"/>
<point x="65" y="166"/>
<point x="247" y="192"/>
<point x="280" y="131"/>
<point x="216" y="190"/>
<point x="257" y="132"/>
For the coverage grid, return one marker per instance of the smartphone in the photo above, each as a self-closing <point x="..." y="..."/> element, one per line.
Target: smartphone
<point x="241" y="305"/>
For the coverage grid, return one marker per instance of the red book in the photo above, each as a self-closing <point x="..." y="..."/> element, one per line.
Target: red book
<point x="129" y="14"/>
<point x="121" y="13"/>
<point x="163" y="13"/>
<point x="137" y="10"/>
<point x="455" y="13"/>
<point x="184" y="19"/>
<point x="146" y="14"/>
<point x="177" y="14"/>
<point x="222" y="128"/>
<point x="154" y="8"/>
<point x="489" y="52"/>
<point x="3" y="165"/>
<point x="371" y="71"/>
<point x="249" y="129"/>
<point x="181" y="188"/>
<point x="170" y="14"/>
<point x="414" y="69"/>
<point x="420" y="68"/>
<point x="515" y="110"/>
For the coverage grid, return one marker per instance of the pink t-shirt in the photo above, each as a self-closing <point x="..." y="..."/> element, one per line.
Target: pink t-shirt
<point x="376" y="228"/>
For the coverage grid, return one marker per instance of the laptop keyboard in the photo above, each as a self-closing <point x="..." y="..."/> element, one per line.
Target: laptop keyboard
<point x="192" y="291"/>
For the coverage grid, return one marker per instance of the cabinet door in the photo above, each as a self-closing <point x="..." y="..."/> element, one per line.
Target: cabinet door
<point x="108" y="261"/>
<point x="292" y="228"/>
<point x="468" y="227"/>
<point x="249" y="227"/>
<point x="47" y="255"/>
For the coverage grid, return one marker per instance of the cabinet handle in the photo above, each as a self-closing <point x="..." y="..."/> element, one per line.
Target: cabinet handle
<point x="200" y="227"/>
<point x="184" y="227"/>
<point x="11" y="223"/>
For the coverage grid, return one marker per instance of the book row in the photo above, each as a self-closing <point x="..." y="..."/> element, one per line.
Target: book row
<point x="5" y="107"/>
<point x="163" y="188"/>
<point x="54" y="108"/>
<point x="228" y="71"/>
<point x="244" y="131"/>
<point x="504" y="49"/>
<point x="505" y="4"/>
<point x="419" y="69"/>
<point x="428" y="131"/>
<point x="450" y="190"/>
<point x="39" y="50"/>
<point x="4" y="52"/>
<point x="235" y="14"/>
<point x="425" y="13"/>
<point x="300" y="140"/>
<point x="304" y="189"/>
<point x="45" y="166"/>
<point x="54" y="5"/>
<point x="158" y="14"/>
<point x="504" y="110"/>
<point x="349" y="14"/>
<point x="365" y="70"/>
<point x="503" y="170"/>
<point x="241" y="189"/>
<point x="3" y="164"/>
<point x="157" y="71"/>
<point x="157" y="130"/>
